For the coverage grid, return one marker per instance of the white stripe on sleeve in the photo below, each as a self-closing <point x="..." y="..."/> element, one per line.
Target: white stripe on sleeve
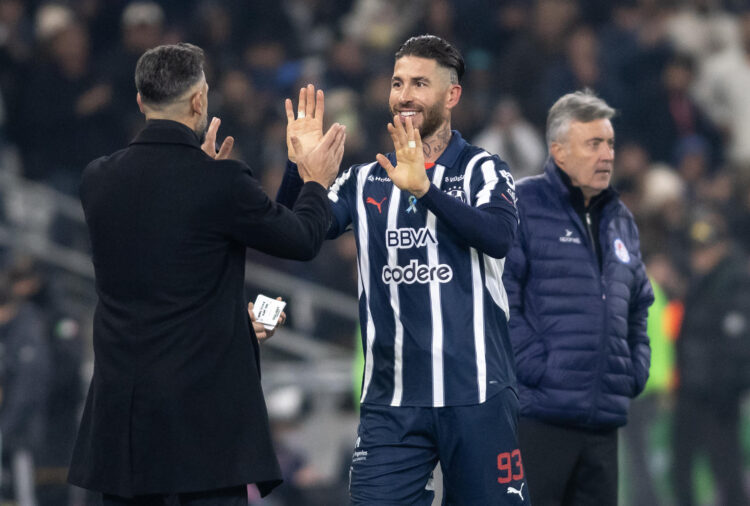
<point x="333" y="193"/>
<point x="493" y="280"/>
<point x="490" y="181"/>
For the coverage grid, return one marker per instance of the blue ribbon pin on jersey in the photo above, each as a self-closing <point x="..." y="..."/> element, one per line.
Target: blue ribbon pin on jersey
<point x="412" y="204"/>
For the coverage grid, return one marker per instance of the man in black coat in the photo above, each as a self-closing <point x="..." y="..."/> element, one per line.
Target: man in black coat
<point x="175" y="413"/>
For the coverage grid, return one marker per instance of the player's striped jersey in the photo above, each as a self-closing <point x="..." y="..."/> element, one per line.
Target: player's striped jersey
<point x="433" y="310"/>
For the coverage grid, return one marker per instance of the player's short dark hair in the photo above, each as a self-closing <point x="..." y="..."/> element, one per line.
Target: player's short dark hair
<point x="164" y="73"/>
<point x="435" y="48"/>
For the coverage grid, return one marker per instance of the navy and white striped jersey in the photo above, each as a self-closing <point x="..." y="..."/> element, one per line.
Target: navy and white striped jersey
<point x="433" y="310"/>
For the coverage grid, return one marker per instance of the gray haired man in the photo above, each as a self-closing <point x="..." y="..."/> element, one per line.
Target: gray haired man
<point x="579" y="299"/>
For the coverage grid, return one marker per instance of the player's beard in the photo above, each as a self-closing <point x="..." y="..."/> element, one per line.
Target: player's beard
<point x="432" y="119"/>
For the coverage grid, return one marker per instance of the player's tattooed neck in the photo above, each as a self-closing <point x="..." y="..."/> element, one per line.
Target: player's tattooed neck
<point x="436" y="144"/>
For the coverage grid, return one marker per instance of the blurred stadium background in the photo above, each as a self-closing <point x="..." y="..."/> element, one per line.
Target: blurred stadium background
<point x="677" y="70"/>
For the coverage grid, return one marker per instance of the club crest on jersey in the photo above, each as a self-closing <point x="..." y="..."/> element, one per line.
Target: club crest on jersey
<point x="621" y="251"/>
<point x="458" y="193"/>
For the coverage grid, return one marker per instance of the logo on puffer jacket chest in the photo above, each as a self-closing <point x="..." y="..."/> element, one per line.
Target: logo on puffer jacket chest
<point x="568" y="237"/>
<point x="621" y="251"/>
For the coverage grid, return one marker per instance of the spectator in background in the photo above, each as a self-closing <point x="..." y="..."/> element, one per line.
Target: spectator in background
<point x="67" y="116"/>
<point x="673" y="115"/>
<point x="439" y="17"/>
<point x="3" y="120"/>
<point x="740" y="215"/>
<point x="346" y="65"/>
<point x="16" y="47"/>
<point x="580" y="68"/>
<point x="380" y="24"/>
<point x="651" y="407"/>
<point x="579" y="298"/>
<point x="636" y="49"/>
<point x="502" y="23"/>
<point x="315" y="22"/>
<point x="216" y="34"/>
<point x="24" y="382"/>
<point x="480" y="77"/>
<point x="631" y="165"/>
<point x="141" y="28"/>
<point x="241" y="114"/>
<point x="512" y="137"/>
<point x="722" y="91"/>
<point x="522" y="76"/>
<point x="267" y="63"/>
<point x="662" y="215"/>
<point x="713" y="353"/>
<point x="701" y="28"/>
<point x="692" y="160"/>
<point x="61" y="410"/>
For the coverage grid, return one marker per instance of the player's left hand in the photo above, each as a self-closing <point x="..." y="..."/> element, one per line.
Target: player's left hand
<point x="260" y="331"/>
<point x="209" y="145"/>
<point x="409" y="173"/>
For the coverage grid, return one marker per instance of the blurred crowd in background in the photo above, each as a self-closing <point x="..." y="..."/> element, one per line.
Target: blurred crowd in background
<point x="678" y="72"/>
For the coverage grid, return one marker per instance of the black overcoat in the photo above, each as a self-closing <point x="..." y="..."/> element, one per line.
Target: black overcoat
<point x="175" y="403"/>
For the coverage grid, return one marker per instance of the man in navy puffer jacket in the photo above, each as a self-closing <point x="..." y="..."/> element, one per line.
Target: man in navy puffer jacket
<point x="579" y="299"/>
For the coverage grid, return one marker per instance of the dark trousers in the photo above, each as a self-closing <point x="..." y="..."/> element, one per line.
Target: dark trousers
<point x="232" y="496"/>
<point x="567" y="466"/>
<point x="711" y="426"/>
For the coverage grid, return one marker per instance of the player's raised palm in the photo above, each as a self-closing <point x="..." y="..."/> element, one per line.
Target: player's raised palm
<point x="409" y="173"/>
<point x="308" y="126"/>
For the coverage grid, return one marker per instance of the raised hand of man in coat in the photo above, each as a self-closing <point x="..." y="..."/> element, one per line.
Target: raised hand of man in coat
<point x="209" y="144"/>
<point x="308" y="126"/>
<point x="317" y="156"/>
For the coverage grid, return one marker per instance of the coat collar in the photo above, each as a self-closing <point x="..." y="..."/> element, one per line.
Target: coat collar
<point x="162" y="131"/>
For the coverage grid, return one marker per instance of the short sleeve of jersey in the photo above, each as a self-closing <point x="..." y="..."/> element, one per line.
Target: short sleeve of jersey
<point x="492" y="185"/>
<point x="342" y="197"/>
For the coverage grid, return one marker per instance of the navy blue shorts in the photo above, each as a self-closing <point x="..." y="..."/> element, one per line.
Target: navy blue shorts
<point x="398" y="447"/>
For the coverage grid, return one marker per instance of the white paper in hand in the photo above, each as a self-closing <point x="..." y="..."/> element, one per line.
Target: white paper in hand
<point x="267" y="311"/>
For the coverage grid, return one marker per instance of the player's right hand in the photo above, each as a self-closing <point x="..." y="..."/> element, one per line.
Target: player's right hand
<point x="308" y="125"/>
<point x="408" y="174"/>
